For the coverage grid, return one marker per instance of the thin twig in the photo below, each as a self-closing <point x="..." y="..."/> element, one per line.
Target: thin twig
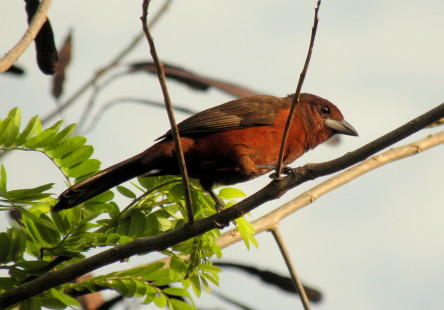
<point x="280" y="165"/>
<point x="291" y="268"/>
<point x="113" y="63"/>
<point x="169" y="108"/>
<point x="273" y="190"/>
<point x="125" y="100"/>
<point x="39" y="18"/>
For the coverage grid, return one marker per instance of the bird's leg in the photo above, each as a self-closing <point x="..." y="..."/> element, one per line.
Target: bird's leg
<point x="219" y="204"/>
<point x="285" y="170"/>
<point x="207" y="186"/>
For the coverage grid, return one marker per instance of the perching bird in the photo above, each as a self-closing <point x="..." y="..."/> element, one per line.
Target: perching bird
<point x="231" y="143"/>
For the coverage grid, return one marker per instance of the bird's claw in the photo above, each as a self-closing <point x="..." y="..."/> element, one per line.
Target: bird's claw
<point x="285" y="171"/>
<point x="219" y="207"/>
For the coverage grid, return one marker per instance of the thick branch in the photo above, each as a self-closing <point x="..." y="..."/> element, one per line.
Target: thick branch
<point x="273" y="218"/>
<point x="273" y="190"/>
<point x="40" y="17"/>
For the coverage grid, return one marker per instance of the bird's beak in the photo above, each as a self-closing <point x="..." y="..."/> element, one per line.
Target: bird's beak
<point x="341" y="127"/>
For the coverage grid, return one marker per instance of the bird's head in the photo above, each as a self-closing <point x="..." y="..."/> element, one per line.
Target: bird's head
<point x="323" y="117"/>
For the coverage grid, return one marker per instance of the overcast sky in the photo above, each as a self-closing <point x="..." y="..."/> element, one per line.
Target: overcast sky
<point x="375" y="243"/>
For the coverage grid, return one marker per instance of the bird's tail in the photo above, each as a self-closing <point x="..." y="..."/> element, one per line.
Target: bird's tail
<point x="100" y="182"/>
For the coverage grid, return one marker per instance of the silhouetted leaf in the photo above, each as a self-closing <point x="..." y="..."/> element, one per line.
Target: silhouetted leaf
<point x="192" y="80"/>
<point x="64" y="60"/>
<point x="16" y="70"/>
<point x="44" y="41"/>
<point x="272" y="278"/>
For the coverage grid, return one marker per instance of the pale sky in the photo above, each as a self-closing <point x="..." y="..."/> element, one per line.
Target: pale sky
<point x="375" y="243"/>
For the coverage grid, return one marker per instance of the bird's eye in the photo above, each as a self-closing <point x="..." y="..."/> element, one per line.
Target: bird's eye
<point x="325" y="110"/>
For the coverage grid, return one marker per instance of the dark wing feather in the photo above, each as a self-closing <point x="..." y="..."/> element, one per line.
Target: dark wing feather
<point x="236" y="114"/>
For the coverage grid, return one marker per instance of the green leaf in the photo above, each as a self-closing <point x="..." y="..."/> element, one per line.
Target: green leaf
<point x="131" y="286"/>
<point x="123" y="226"/>
<point x="212" y="277"/>
<point x="6" y="283"/>
<point x="85" y="168"/>
<point x="195" y="284"/>
<point x="205" y="284"/>
<point x="62" y="136"/>
<point x="63" y="298"/>
<point x="31" y="304"/>
<point x="56" y="126"/>
<point x="160" y="300"/>
<point x="150" y="294"/>
<point x="43" y="219"/>
<point x="126" y="192"/>
<point x="230" y="193"/>
<point x="61" y="221"/>
<point x="3" y="179"/>
<point x="119" y="286"/>
<point x="176" y="193"/>
<point x="209" y="268"/>
<point x="180" y="305"/>
<point x="141" y="271"/>
<point x="31" y="128"/>
<point x="177" y="268"/>
<point x="4" y="245"/>
<point x="41" y="139"/>
<point x="137" y="226"/>
<point x="141" y="288"/>
<point x="247" y="232"/>
<point x="51" y="302"/>
<point x="8" y="132"/>
<point x="29" y="194"/>
<point x="68" y="146"/>
<point x="18" y="244"/>
<point x="176" y="291"/>
<point x="151" y="226"/>
<point x="77" y="156"/>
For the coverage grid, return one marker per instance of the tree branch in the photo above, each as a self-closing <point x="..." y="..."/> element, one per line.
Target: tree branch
<point x="273" y="190"/>
<point x="169" y="107"/>
<point x="40" y="17"/>
<point x="291" y="268"/>
<point x="279" y="164"/>
<point x="273" y="218"/>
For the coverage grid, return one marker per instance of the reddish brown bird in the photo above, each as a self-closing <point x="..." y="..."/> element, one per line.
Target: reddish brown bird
<point x="228" y="144"/>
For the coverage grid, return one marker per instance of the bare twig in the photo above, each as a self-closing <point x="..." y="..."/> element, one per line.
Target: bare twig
<point x="113" y="63"/>
<point x="279" y="165"/>
<point x="169" y="108"/>
<point x="40" y="17"/>
<point x="125" y="100"/>
<point x="291" y="268"/>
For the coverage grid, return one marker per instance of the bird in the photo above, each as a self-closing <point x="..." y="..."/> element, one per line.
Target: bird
<point x="224" y="145"/>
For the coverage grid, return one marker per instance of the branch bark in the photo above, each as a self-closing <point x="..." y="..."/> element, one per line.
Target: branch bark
<point x="169" y="108"/>
<point x="279" y="164"/>
<point x="268" y="221"/>
<point x="273" y="190"/>
<point x="40" y="17"/>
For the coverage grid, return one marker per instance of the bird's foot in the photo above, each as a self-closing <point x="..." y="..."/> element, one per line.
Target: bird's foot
<point x="285" y="171"/>
<point x="219" y="206"/>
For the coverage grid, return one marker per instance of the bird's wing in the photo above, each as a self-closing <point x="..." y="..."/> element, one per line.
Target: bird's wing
<point x="236" y="114"/>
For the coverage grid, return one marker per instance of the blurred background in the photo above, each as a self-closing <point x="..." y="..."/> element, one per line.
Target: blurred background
<point x="375" y="243"/>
